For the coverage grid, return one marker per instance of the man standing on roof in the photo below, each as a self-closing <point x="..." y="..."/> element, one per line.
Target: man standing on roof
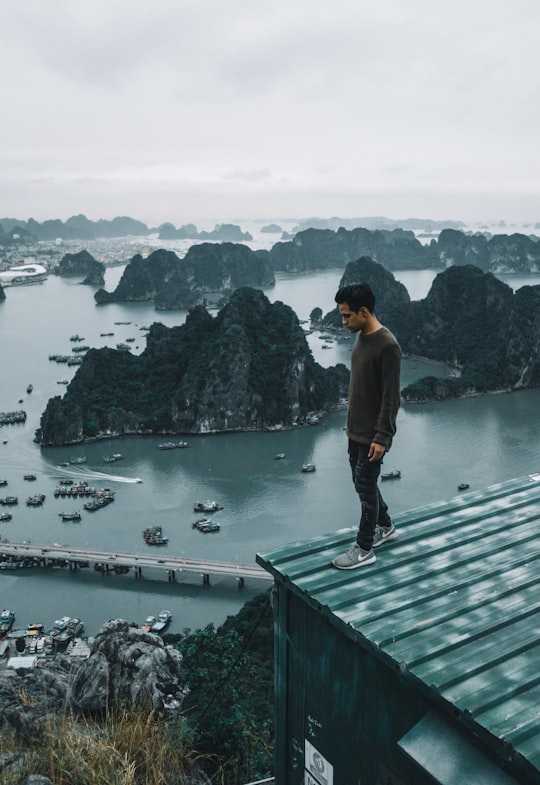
<point x="374" y="398"/>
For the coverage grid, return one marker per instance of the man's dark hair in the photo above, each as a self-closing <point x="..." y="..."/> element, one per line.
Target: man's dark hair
<point x="357" y="295"/>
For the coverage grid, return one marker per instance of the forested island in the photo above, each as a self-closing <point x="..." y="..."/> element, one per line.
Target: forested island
<point x="470" y="320"/>
<point x="248" y="368"/>
<point x="209" y="272"/>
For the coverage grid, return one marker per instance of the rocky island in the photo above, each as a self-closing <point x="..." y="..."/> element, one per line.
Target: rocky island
<point x="82" y="263"/>
<point x="247" y="368"/>
<point x="470" y="320"/>
<point x="208" y="272"/>
<point x="399" y="249"/>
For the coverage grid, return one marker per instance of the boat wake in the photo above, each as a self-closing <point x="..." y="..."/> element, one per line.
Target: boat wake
<point x="90" y="474"/>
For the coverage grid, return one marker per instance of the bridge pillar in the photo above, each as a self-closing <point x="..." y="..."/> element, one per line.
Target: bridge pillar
<point x="206" y="579"/>
<point x="240" y="582"/>
<point x="172" y="576"/>
<point x="138" y="572"/>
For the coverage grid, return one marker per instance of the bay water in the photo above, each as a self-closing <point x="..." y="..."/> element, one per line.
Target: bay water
<point x="267" y="502"/>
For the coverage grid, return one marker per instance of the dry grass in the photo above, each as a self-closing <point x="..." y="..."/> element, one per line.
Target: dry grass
<point x="127" y="748"/>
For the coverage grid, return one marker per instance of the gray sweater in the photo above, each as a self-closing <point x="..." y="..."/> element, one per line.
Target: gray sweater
<point x="374" y="390"/>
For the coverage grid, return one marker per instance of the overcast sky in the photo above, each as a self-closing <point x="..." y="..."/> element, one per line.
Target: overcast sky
<point x="194" y="110"/>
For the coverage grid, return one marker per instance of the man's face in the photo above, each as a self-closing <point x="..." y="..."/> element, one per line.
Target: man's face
<point x="353" y="321"/>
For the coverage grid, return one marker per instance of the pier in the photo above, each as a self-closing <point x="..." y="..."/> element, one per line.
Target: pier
<point x="108" y="562"/>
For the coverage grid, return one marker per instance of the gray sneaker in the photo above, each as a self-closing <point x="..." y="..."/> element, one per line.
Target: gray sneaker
<point x="384" y="534"/>
<point x="354" y="557"/>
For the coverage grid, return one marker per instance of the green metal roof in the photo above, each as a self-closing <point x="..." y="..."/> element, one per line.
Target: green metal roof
<point x="454" y="601"/>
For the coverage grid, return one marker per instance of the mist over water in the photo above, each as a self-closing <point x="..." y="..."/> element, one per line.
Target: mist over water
<point x="267" y="503"/>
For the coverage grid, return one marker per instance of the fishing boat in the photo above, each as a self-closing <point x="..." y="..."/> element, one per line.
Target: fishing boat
<point x="113" y="458"/>
<point x="34" y="629"/>
<point x="70" y="516"/>
<point x="207" y="506"/>
<point x="308" y="468"/>
<point x="463" y="486"/>
<point x="5" y="516"/>
<point x="162" y="622"/>
<point x="7" y="618"/>
<point x="395" y="475"/>
<point x="36" y="500"/>
<point x="205" y="525"/>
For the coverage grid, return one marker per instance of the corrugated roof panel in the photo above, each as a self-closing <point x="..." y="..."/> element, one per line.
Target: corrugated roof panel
<point x="455" y="599"/>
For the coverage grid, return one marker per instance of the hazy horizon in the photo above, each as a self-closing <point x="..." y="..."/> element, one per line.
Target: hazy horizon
<point x="197" y="112"/>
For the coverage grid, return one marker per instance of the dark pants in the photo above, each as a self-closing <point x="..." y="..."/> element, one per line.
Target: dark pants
<point x="365" y="474"/>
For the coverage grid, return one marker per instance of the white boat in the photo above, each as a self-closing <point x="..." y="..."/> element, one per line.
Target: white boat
<point x="23" y="274"/>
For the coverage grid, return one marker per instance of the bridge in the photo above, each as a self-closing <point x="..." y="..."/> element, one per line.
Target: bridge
<point x="109" y="562"/>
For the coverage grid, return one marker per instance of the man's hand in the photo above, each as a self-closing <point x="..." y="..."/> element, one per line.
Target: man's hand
<point x="376" y="451"/>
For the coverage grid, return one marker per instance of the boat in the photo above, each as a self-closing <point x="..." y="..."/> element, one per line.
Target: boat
<point x="36" y="500"/>
<point x="463" y="486"/>
<point x="77" y="460"/>
<point x="65" y="629"/>
<point x="308" y="467"/>
<point x="394" y="475"/>
<point x="7" y="618"/>
<point x="34" y="629"/>
<point x="5" y="516"/>
<point x="205" y="525"/>
<point x="161" y="623"/>
<point x="9" y="500"/>
<point x="23" y="274"/>
<point x="149" y="623"/>
<point x="29" y="389"/>
<point x="172" y="445"/>
<point x="70" y="516"/>
<point x="280" y="456"/>
<point x="29" y="477"/>
<point x="113" y="458"/>
<point x="207" y="506"/>
<point x="154" y="536"/>
<point x="3" y="483"/>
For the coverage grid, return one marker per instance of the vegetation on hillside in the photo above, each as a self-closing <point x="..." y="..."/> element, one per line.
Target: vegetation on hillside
<point x="224" y="734"/>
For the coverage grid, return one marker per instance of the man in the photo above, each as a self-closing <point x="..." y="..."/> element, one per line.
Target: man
<point x="374" y="398"/>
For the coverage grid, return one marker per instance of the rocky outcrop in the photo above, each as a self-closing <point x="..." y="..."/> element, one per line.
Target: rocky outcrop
<point x="315" y="249"/>
<point x="248" y="368"/>
<point x="127" y="668"/>
<point x="391" y="295"/>
<point x="501" y="253"/>
<point x="208" y="272"/>
<point x="477" y="324"/>
<point x="82" y="263"/>
<point x="226" y="233"/>
<point x="78" y="227"/>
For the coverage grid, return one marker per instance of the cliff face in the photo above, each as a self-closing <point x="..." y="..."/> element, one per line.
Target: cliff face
<point x="315" y="249"/>
<point x="390" y="294"/>
<point x="248" y="368"/>
<point x="127" y="668"/>
<point x="82" y="263"/>
<point x="476" y="323"/>
<point x="501" y="253"/>
<point x="208" y="270"/>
